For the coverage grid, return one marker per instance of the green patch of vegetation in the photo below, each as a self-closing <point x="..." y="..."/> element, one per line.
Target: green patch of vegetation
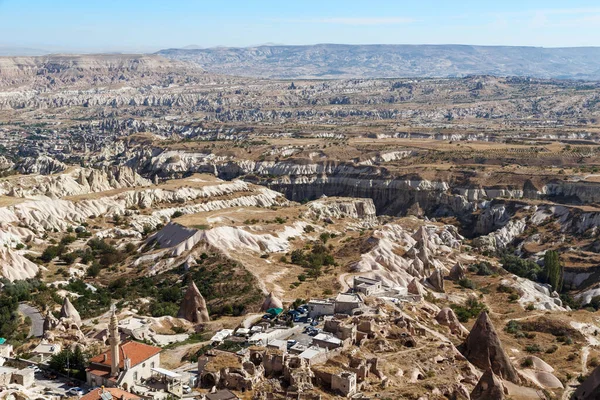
<point x="193" y="338"/>
<point x="471" y="309"/>
<point x="482" y="268"/>
<point x="520" y="267"/>
<point x="466" y="283"/>
<point x="70" y="361"/>
<point x="313" y="260"/>
<point x="533" y="348"/>
<point x="527" y="362"/>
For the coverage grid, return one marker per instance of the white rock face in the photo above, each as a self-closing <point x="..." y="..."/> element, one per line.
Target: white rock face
<point x="228" y="239"/>
<point x="361" y="210"/>
<point x="46" y="214"/>
<point x="541" y="296"/>
<point x="23" y="221"/>
<point x="502" y="237"/>
<point x="43" y="165"/>
<point x="76" y="182"/>
<point x="384" y="262"/>
<point x="16" y="267"/>
<point x="587" y="295"/>
<point x="387" y="157"/>
<point x="5" y="163"/>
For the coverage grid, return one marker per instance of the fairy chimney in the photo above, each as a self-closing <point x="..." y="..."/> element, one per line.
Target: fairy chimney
<point x="193" y="307"/>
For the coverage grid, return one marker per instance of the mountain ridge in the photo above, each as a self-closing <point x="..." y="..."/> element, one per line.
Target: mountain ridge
<point x="395" y="61"/>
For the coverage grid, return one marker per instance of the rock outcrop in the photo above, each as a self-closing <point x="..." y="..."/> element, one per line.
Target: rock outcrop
<point x="457" y="272"/>
<point x="43" y="165"/>
<point x="484" y="350"/>
<point x="489" y="387"/>
<point x="447" y="317"/>
<point x="50" y="322"/>
<point x="193" y="307"/>
<point x="590" y="388"/>
<point x="414" y="287"/>
<point x="271" y="302"/>
<point x="69" y="312"/>
<point x="436" y="280"/>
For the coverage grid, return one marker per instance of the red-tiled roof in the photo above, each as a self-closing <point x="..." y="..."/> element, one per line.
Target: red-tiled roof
<point x="116" y="393"/>
<point x="135" y="351"/>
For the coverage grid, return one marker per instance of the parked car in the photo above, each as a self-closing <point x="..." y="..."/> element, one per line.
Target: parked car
<point x="75" y="391"/>
<point x="35" y="368"/>
<point x="186" y="389"/>
<point x="291" y="343"/>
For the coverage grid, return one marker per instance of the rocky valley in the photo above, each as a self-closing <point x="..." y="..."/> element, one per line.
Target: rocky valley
<point x="415" y="238"/>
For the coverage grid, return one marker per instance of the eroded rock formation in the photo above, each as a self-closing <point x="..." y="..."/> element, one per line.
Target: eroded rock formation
<point x="489" y="387"/>
<point x="193" y="307"/>
<point x="271" y="302"/>
<point x="484" y="350"/>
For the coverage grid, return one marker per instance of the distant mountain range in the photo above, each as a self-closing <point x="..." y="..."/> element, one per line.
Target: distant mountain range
<point x="21" y="51"/>
<point x="393" y="61"/>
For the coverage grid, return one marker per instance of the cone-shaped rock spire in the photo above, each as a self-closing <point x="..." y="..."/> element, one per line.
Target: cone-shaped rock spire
<point x="484" y="350"/>
<point x="457" y="272"/>
<point x="489" y="387"/>
<point x="414" y="287"/>
<point x="271" y="302"/>
<point x="69" y="311"/>
<point x="193" y="307"/>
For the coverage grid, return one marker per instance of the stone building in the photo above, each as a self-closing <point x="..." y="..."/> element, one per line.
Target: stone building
<point x="124" y="364"/>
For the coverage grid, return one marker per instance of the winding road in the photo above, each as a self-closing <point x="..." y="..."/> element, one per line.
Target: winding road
<point x="37" y="321"/>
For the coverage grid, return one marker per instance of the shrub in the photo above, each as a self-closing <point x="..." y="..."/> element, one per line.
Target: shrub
<point x="512" y="327"/>
<point x="309" y="228"/>
<point x="471" y="309"/>
<point x="520" y="267"/>
<point x="324" y="237"/>
<point x="466" y="283"/>
<point x="527" y="362"/>
<point x="533" y="348"/>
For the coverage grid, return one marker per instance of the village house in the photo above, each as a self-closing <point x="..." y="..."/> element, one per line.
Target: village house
<point x="124" y="364"/>
<point x="108" y="393"/>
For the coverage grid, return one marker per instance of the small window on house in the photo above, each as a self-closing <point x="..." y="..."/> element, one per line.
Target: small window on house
<point x="144" y="365"/>
<point x="152" y="364"/>
<point x="135" y="376"/>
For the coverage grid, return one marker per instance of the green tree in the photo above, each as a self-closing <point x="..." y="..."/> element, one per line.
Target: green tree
<point x="553" y="270"/>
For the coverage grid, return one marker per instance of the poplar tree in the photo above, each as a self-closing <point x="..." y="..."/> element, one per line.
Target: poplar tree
<point x="553" y="270"/>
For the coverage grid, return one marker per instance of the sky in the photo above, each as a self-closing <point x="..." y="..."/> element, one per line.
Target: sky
<point x="151" y="25"/>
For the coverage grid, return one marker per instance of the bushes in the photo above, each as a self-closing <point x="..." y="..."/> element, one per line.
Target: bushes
<point x="533" y="348"/>
<point x="466" y="283"/>
<point x="483" y="268"/>
<point x="471" y="309"/>
<point x="512" y="327"/>
<point x="520" y="267"/>
<point x="161" y="309"/>
<point x="51" y="252"/>
<point x="314" y="259"/>
<point x="527" y="362"/>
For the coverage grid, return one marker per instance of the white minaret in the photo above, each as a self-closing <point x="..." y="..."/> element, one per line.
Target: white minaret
<point x="114" y="341"/>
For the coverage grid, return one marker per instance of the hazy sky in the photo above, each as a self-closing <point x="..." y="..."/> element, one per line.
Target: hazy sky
<point x="149" y="25"/>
